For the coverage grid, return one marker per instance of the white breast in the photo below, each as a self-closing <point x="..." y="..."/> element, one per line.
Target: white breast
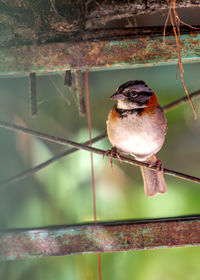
<point x="140" y="136"/>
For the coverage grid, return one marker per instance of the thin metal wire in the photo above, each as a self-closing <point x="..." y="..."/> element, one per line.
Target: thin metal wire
<point x="90" y="143"/>
<point x="180" y="101"/>
<point x="92" y="164"/>
<point x="44" y="164"/>
<point x="63" y="141"/>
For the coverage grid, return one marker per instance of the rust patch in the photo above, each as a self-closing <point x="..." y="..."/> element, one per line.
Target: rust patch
<point x="104" y="237"/>
<point x="102" y="54"/>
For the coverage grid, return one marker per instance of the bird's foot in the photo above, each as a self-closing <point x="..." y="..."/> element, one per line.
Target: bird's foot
<point x="157" y="164"/>
<point x="112" y="153"/>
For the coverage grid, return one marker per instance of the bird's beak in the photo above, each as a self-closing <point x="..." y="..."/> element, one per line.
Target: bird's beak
<point x="117" y="96"/>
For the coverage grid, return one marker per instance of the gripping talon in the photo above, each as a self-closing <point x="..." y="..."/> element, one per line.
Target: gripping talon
<point x="158" y="165"/>
<point x="112" y="152"/>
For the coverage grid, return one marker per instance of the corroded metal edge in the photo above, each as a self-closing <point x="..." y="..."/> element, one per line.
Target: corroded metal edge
<point x="32" y="22"/>
<point x="104" y="237"/>
<point x="101" y="55"/>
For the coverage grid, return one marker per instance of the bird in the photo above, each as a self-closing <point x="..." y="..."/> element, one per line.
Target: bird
<point x="137" y="126"/>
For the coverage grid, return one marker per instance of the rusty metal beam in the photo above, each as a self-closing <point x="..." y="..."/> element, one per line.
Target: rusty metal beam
<point x="104" y="237"/>
<point x="145" y="51"/>
<point x="37" y="22"/>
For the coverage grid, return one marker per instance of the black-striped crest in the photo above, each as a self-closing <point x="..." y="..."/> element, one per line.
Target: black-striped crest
<point x="135" y="91"/>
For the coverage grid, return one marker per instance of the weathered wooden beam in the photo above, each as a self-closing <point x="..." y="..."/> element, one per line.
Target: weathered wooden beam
<point x="145" y="51"/>
<point x="103" y="237"/>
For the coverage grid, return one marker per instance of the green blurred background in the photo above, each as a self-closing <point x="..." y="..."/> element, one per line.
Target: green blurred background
<point x="62" y="192"/>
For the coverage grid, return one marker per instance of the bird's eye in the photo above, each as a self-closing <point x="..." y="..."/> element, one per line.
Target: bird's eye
<point x="133" y="94"/>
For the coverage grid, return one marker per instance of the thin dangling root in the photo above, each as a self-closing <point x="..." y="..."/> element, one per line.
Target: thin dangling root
<point x="175" y="22"/>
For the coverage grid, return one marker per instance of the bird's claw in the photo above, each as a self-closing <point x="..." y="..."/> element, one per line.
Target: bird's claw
<point x="158" y="165"/>
<point x="113" y="153"/>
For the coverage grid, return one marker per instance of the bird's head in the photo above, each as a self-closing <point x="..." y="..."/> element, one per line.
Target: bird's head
<point x="134" y="95"/>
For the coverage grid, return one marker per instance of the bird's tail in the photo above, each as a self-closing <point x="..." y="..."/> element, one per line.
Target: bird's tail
<point x="154" y="182"/>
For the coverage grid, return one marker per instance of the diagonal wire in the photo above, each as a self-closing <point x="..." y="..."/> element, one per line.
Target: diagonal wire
<point x="33" y="170"/>
<point x="180" y="101"/>
<point x="94" y="150"/>
<point x="78" y="146"/>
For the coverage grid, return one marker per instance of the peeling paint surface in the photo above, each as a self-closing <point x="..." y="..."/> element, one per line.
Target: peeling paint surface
<point x="99" y="55"/>
<point x="104" y="237"/>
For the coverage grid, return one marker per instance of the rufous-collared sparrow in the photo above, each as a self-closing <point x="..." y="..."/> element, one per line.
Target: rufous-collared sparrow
<point x="137" y="126"/>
